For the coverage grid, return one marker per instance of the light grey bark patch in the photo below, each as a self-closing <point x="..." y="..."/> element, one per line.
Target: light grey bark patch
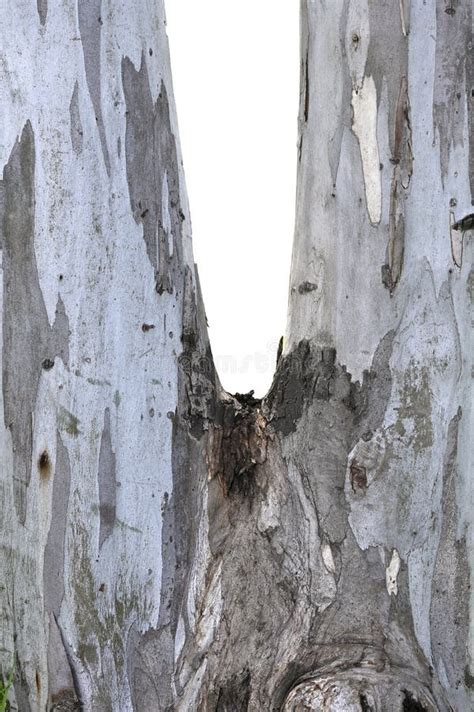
<point x="77" y="132"/>
<point x="150" y="669"/>
<point x="2" y="211"/>
<point x="334" y="146"/>
<point x="449" y="614"/>
<point x="387" y="58"/>
<point x="29" y="343"/>
<point x="90" y="25"/>
<point x="453" y="35"/>
<point x="53" y="568"/>
<point x="107" y="482"/>
<point x="470" y="108"/>
<point x="42" y="6"/>
<point x="151" y="655"/>
<point x="151" y="157"/>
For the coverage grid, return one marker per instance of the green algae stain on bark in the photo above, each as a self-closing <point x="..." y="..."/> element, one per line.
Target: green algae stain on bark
<point x="107" y="482"/>
<point x="100" y="631"/>
<point x="416" y="407"/>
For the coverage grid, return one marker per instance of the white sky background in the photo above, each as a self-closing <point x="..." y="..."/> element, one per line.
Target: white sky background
<point x="235" y="70"/>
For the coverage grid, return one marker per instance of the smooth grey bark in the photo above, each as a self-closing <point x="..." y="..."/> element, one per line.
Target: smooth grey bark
<point x="169" y="546"/>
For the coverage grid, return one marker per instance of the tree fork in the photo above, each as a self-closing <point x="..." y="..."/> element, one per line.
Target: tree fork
<point x="169" y="546"/>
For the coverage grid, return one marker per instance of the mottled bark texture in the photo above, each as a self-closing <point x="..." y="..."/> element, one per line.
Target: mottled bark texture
<point x="164" y="544"/>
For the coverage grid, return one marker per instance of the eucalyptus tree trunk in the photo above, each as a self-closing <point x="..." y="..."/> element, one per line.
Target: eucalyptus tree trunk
<point x="168" y="546"/>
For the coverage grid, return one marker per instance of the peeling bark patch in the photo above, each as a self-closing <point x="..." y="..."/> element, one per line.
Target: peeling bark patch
<point x="90" y="24"/>
<point x="452" y="64"/>
<point x="42" y="6"/>
<point x="303" y="375"/>
<point x="387" y="40"/>
<point x="107" y="483"/>
<point x="364" y="125"/>
<point x="28" y="339"/>
<point x="358" y="475"/>
<point x="77" y="132"/>
<point x="415" y="406"/>
<point x="62" y="679"/>
<point x="392" y="573"/>
<point x="405" y="16"/>
<point x="469" y="89"/>
<point x="457" y="241"/>
<point x="402" y="160"/>
<point x="53" y="567"/>
<point x="370" y="400"/>
<point x="449" y="613"/>
<point x="151" y="158"/>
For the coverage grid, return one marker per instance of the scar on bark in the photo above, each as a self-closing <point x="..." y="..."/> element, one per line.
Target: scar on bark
<point x="358" y="476"/>
<point x="238" y="443"/>
<point x="44" y="465"/>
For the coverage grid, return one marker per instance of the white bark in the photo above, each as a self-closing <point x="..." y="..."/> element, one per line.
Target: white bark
<point x="165" y="545"/>
<point x="82" y="535"/>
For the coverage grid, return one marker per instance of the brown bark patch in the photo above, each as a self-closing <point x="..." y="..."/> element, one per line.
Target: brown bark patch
<point x="358" y="476"/>
<point x="238" y="444"/>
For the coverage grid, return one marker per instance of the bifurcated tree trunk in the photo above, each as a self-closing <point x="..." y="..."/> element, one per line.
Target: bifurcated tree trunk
<point x="168" y="546"/>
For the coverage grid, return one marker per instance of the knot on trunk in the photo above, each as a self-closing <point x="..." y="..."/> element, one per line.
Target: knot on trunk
<point x="360" y="690"/>
<point x="238" y="443"/>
